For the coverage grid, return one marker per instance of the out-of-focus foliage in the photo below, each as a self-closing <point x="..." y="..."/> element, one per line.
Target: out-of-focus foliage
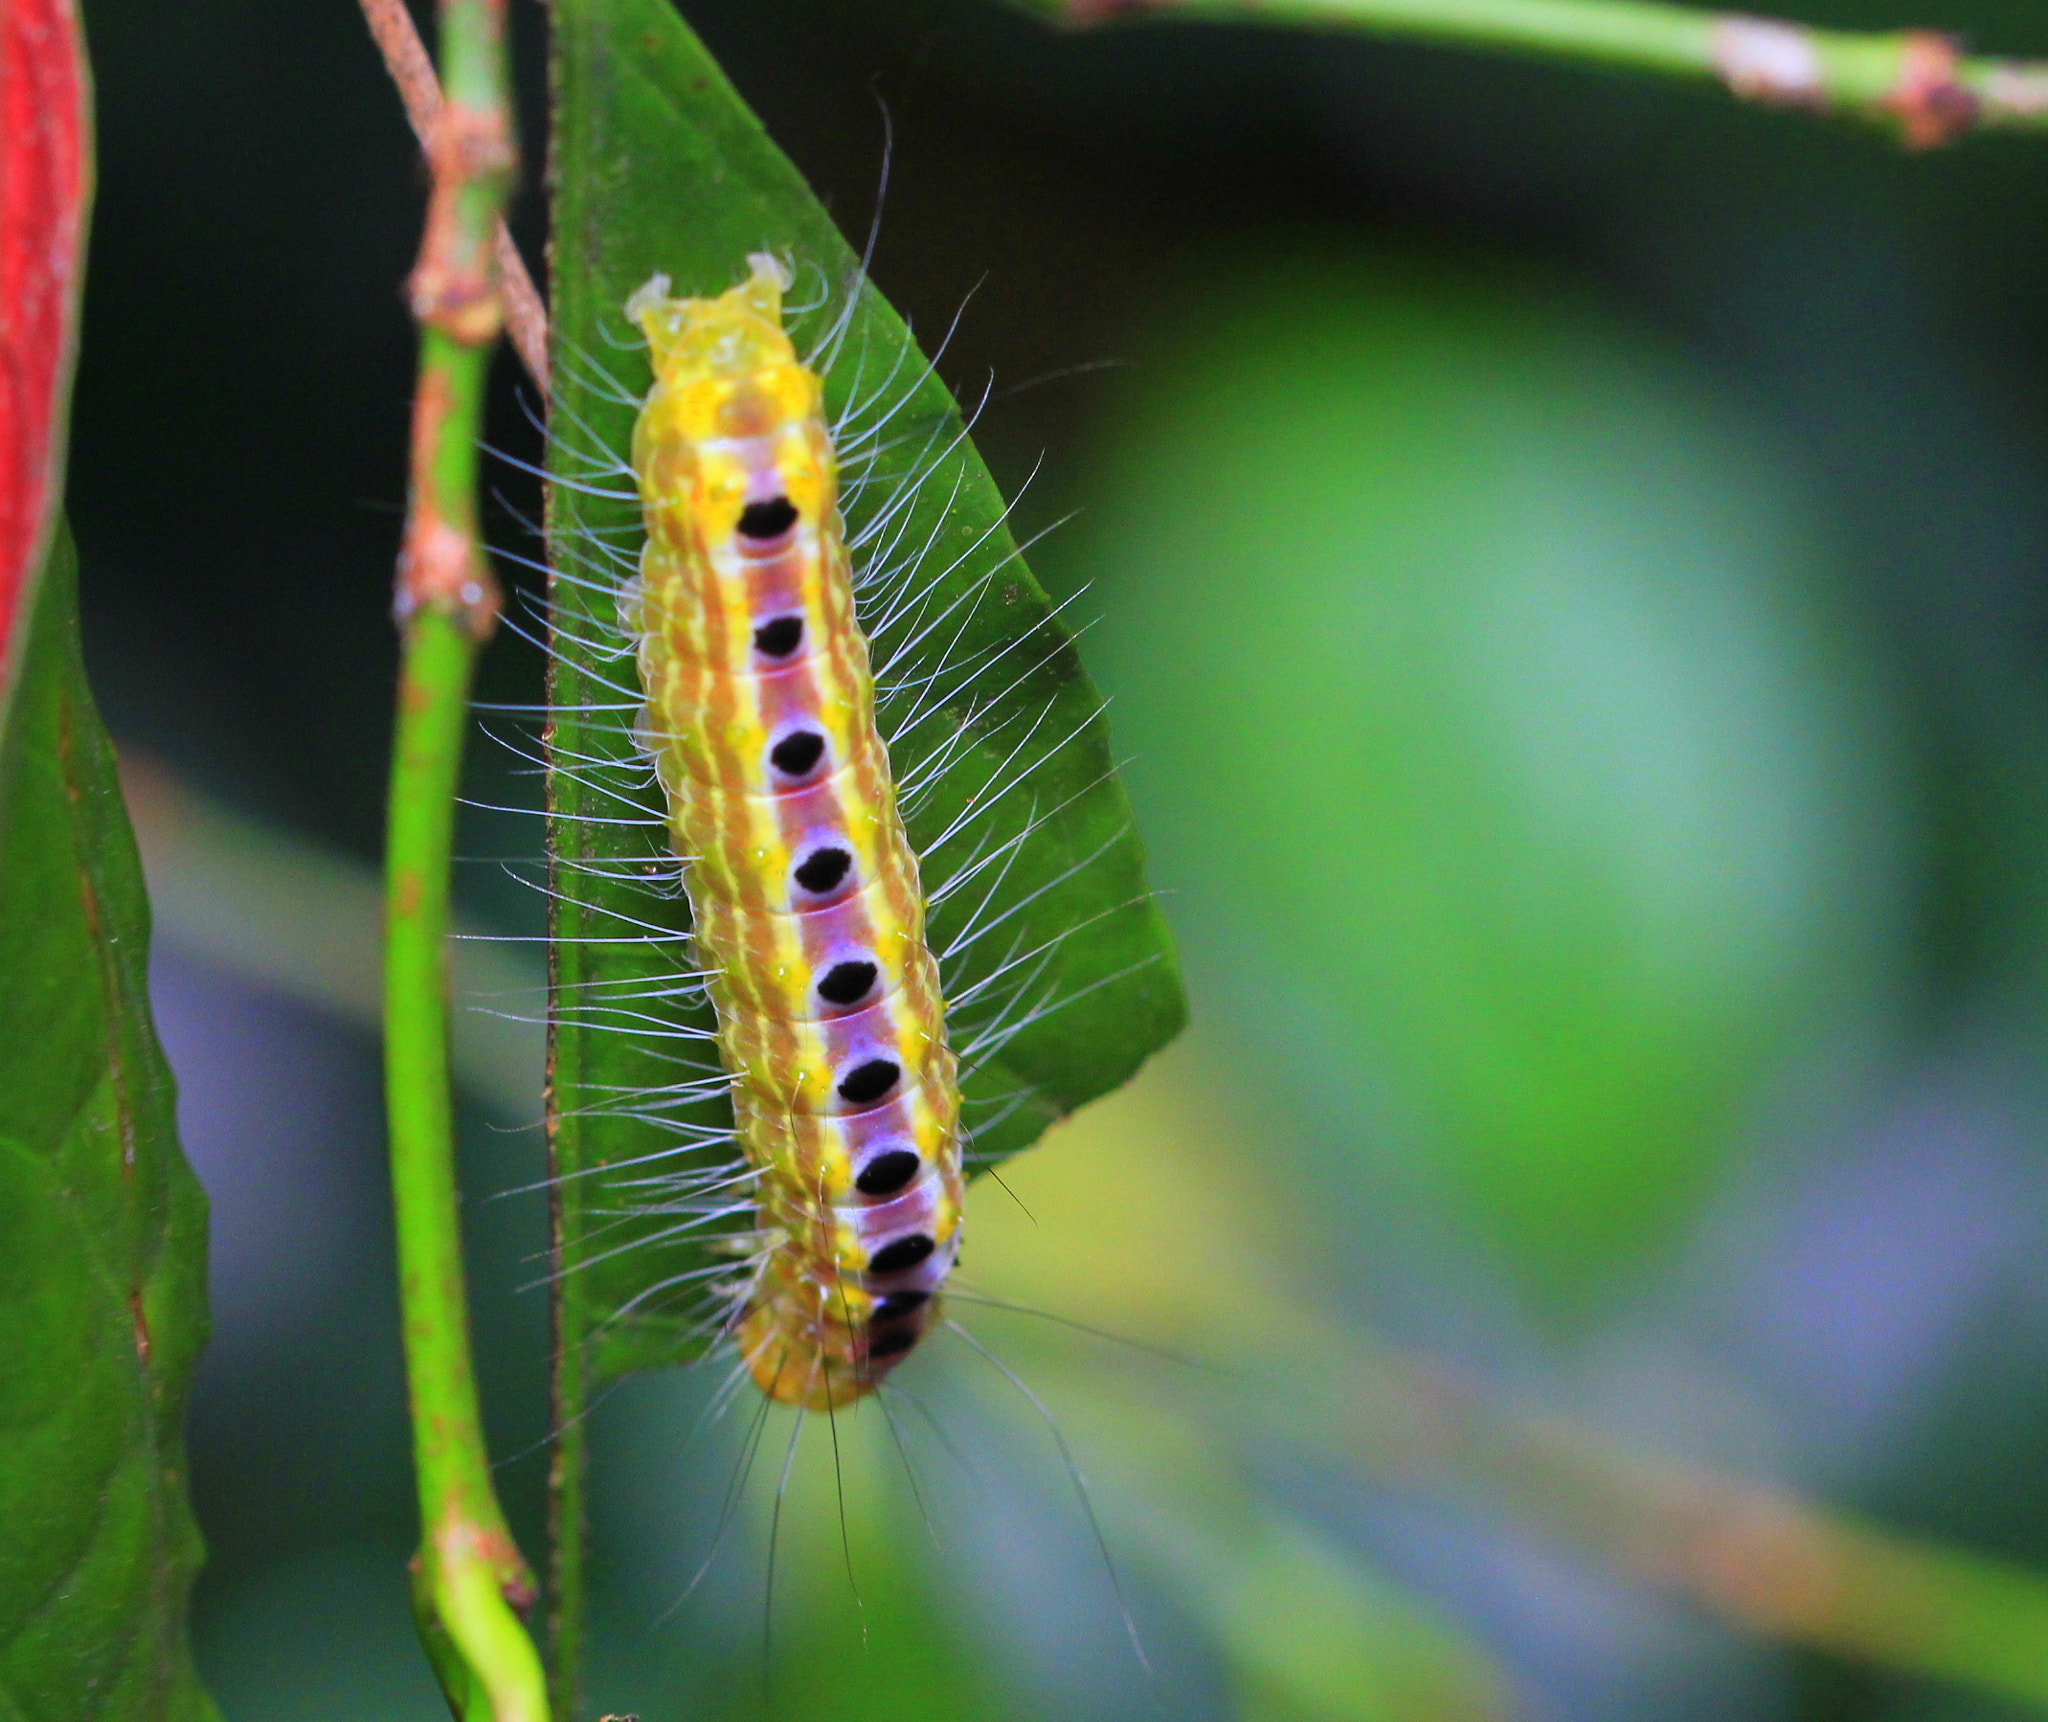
<point x="235" y="891"/>
<point x="1204" y="1355"/>
<point x="1524" y="784"/>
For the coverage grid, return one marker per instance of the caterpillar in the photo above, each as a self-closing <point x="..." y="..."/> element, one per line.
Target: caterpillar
<point x="825" y="933"/>
<point x="688" y="1227"/>
<point x="805" y="896"/>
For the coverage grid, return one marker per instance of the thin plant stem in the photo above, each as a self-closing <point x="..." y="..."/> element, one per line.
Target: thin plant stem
<point x="405" y="58"/>
<point x="468" y="1577"/>
<point x="1911" y="80"/>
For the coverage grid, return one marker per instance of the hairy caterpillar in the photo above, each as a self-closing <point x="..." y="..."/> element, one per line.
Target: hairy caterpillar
<point x="1055" y="968"/>
<point x="756" y="895"/>
<point x="808" y="909"/>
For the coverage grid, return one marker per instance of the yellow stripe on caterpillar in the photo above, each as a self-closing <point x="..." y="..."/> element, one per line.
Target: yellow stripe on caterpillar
<point x="808" y="912"/>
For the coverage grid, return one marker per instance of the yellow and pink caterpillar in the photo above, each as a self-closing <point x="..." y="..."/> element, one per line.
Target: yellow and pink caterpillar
<point x="808" y="908"/>
<point x="720" y="550"/>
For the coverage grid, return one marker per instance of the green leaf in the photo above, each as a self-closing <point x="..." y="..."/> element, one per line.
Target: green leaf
<point x="102" y="1230"/>
<point x="659" y="167"/>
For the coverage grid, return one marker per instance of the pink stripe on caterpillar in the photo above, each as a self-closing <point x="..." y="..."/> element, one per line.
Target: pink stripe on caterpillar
<point x="809" y="915"/>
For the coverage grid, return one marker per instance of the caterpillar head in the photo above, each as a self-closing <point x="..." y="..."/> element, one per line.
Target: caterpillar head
<point x="728" y="386"/>
<point x="734" y="334"/>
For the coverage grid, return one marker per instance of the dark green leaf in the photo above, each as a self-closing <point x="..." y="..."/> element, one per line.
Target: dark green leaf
<point x="102" y="1231"/>
<point x="659" y="167"/>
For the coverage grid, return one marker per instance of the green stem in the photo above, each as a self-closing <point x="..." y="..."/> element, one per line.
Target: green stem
<point x="468" y="1578"/>
<point x="468" y="1566"/>
<point x="1912" y="79"/>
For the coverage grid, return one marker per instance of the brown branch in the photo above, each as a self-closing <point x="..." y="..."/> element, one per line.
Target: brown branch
<point x="526" y="318"/>
<point x="405" y="58"/>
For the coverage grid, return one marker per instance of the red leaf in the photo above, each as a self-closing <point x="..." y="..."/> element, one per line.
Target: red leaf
<point x="45" y="178"/>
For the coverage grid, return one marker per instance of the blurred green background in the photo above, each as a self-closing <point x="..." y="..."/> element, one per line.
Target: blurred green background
<point x="1566" y="561"/>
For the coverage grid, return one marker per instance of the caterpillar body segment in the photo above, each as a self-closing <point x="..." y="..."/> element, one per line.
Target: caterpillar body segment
<point x="807" y="907"/>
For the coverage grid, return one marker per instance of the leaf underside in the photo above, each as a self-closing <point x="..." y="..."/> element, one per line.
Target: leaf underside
<point x="103" y="1270"/>
<point x="659" y="167"/>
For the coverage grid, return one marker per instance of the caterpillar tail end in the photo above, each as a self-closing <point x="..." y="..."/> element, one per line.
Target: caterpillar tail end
<point x="819" y="1366"/>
